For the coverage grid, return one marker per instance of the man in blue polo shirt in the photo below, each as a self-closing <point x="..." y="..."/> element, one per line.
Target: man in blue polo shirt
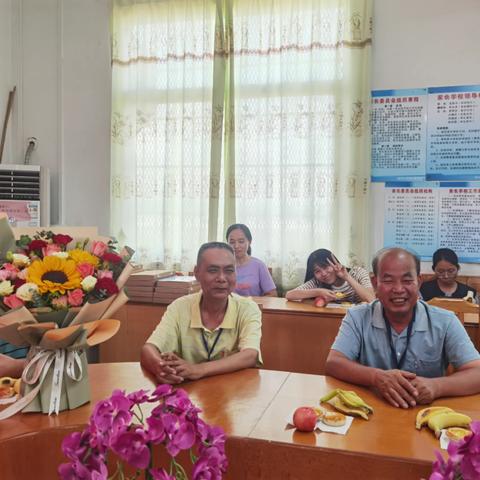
<point x="400" y="345"/>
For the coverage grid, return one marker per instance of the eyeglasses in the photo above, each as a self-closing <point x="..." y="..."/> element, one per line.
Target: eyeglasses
<point x="451" y="272"/>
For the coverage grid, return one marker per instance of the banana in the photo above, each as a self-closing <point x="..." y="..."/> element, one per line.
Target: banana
<point x="328" y="396"/>
<point x="447" y="419"/>
<point x="457" y="433"/>
<point x="425" y="414"/>
<point x="351" y="399"/>
<point x="337" y="403"/>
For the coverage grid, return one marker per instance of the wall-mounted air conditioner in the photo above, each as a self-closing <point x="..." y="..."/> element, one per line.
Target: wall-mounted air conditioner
<point x="25" y="195"/>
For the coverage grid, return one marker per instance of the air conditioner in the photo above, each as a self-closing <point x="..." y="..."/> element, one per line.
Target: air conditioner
<point x="25" y="195"/>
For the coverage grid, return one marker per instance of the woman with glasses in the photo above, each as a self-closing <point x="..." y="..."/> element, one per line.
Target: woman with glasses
<point x="446" y="267"/>
<point x="329" y="280"/>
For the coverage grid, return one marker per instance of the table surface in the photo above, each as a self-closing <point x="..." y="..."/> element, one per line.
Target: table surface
<point x="255" y="404"/>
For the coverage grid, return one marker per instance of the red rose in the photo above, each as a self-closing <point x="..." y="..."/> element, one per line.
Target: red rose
<point x="62" y="239"/>
<point x="18" y="282"/>
<point x="108" y="285"/>
<point x="111" y="257"/>
<point x="36" y="245"/>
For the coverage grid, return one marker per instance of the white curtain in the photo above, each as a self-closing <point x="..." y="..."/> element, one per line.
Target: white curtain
<point x="288" y="142"/>
<point x="302" y="149"/>
<point x="162" y="127"/>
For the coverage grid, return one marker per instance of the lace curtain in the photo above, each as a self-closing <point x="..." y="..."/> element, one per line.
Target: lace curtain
<point x="251" y="111"/>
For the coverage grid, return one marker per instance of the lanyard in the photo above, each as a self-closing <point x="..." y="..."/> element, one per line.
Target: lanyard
<point x="205" y="343"/>
<point x="398" y="363"/>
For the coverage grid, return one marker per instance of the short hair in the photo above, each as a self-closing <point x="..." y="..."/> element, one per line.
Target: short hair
<point x="385" y="251"/>
<point x="445" y="254"/>
<point x="210" y="245"/>
<point x="319" y="257"/>
<point x="246" y="231"/>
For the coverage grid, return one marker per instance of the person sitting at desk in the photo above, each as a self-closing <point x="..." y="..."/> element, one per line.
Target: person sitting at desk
<point x="327" y="278"/>
<point x="402" y="346"/>
<point x="446" y="267"/>
<point x="207" y="333"/>
<point x="253" y="277"/>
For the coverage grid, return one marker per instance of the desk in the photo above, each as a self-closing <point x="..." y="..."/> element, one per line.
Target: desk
<point x="296" y="336"/>
<point x="251" y="406"/>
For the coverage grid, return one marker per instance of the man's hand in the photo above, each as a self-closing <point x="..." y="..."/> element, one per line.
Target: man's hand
<point x="426" y="388"/>
<point x="158" y="364"/>
<point x="397" y="387"/>
<point x="187" y="370"/>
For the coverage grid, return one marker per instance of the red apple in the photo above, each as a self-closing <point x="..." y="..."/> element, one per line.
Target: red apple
<point x="305" y="419"/>
<point x="319" y="302"/>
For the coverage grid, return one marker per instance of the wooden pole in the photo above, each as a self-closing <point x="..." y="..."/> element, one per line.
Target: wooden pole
<point x="11" y="96"/>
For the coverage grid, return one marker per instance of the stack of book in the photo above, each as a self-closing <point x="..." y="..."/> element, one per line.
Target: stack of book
<point x="141" y="286"/>
<point x="169" y="289"/>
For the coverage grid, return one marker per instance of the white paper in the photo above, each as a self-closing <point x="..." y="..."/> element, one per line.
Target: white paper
<point x="327" y="428"/>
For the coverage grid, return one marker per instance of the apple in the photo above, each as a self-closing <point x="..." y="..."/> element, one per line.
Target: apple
<point x="305" y="419"/>
<point x="319" y="302"/>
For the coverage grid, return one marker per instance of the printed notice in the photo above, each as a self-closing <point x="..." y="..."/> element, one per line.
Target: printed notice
<point x="453" y="133"/>
<point x="399" y="134"/>
<point x="425" y="216"/>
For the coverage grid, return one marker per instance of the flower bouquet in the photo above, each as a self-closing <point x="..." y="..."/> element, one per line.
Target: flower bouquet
<point x="463" y="462"/>
<point x="117" y="426"/>
<point x="56" y="294"/>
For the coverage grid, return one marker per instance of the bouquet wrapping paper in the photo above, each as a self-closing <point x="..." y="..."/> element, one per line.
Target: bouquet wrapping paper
<point x="58" y="301"/>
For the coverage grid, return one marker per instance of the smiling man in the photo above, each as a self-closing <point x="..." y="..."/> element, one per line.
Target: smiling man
<point x="211" y="332"/>
<point x="400" y="345"/>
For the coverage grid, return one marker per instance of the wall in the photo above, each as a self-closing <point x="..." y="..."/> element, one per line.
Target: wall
<point x="61" y="65"/>
<point x="6" y="83"/>
<point x="422" y="44"/>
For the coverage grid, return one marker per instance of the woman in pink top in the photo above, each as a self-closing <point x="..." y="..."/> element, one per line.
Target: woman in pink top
<point x="253" y="277"/>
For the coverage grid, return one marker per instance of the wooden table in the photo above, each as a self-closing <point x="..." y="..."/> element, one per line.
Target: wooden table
<point x="251" y="406"/>
<point x="296" y="336"/>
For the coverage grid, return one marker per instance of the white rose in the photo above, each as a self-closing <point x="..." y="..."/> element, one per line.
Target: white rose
<point x="88" y="283"/>
<point x="26" y="291"/>
<point x="60" y="255"/>
<point x="20" y="260"/>
<point x="6" y="288"/>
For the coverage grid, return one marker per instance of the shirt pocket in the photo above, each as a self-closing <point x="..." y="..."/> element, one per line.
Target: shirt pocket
<point x="426" y="364"/>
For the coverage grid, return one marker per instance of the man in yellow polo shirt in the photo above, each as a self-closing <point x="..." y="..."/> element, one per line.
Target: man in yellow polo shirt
<point x="211" y="332"/>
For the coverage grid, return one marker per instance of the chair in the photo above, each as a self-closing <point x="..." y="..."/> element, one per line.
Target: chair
<point x="461" y="308"/>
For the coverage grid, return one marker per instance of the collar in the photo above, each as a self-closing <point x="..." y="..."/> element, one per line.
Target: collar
<point x="228" y="320"/>
<point x="421" y="317"/>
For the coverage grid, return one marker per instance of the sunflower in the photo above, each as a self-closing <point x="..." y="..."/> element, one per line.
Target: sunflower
<point x="81" y="256"/>
<point x="54" y="274"/>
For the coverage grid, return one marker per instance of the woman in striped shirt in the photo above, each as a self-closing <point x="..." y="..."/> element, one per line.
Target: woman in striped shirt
<point x="328" y="279"/>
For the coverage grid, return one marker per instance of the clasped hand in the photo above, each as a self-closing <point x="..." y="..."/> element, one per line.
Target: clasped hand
<point x="173" y="369"/>
<point x="404" y="389"/>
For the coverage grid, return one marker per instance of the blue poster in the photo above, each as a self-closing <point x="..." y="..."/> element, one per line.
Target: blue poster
<point x="425" y="216"/>
<point x="399" y="134"/>
<point x="453" y="133"/>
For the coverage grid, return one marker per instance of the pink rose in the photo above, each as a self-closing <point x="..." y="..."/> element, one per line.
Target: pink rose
<point x="104" y="274"/>
<point x="85" y="269"/>
<point x="75" y="297"/>
<point x="51" y="248"/>
<point x="99" y="248"/>
<point x="4" y="275"/>
<point x="60" y="302"/>
<point x="12" y="301"/>
<point x="12" y="269"/>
